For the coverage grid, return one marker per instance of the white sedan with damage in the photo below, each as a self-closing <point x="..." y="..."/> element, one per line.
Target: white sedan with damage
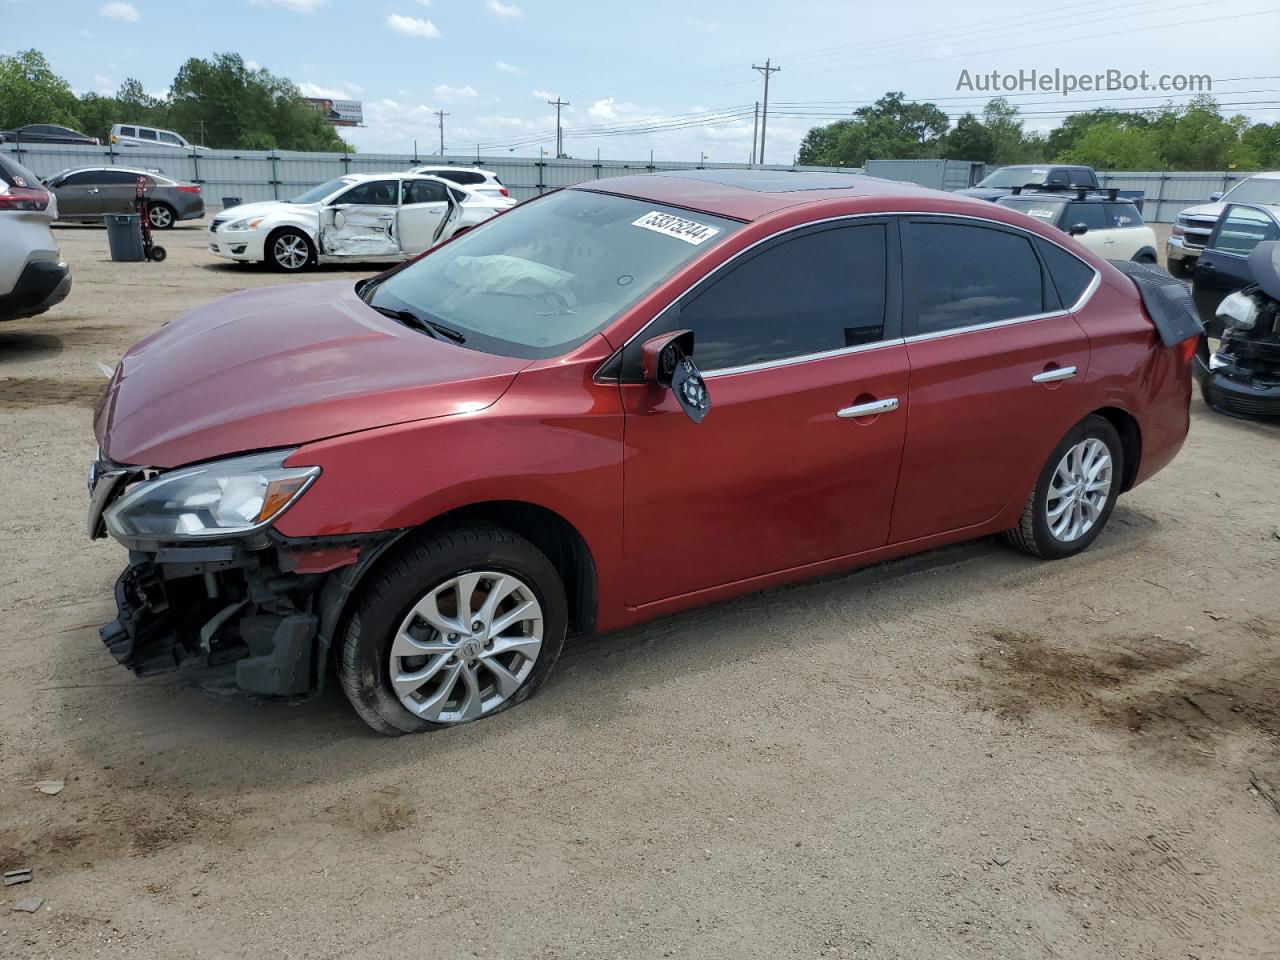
<point x="382" y="217"/>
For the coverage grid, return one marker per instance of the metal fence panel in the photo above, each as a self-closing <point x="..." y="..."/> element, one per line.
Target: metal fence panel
<point x="270" y="174"/>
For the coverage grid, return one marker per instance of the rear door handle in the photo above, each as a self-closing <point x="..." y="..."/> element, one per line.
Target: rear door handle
<point x="1051" y="376"/>
<point x="868" y="409"/>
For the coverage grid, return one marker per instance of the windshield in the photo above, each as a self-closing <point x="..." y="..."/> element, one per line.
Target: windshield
<point x="1046" y="210"/>
<point x="316" y="194"/>
<point x="1255" y="190"/>
<point x="541" y="279"/>
<point x="1014" y="177"/>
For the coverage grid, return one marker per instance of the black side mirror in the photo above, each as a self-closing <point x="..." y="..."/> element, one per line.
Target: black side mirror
<point x="1076" y="229"/>
<point x="668" y="363"/>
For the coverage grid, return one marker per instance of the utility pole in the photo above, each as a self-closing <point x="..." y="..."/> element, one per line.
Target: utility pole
<point x="764" y="117"/>
<point x="755" y="133"/>
<point x="441" y="114"/>
<point x="558" y="103"/>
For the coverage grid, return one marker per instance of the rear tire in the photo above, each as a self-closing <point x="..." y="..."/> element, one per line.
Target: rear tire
<point x="393" y="632"/>
<point x="162" y="216"/>
<point x="1067" y="510"/>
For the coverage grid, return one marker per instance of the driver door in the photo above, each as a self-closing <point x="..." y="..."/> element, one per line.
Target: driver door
<point x="425" y="209"/>
<point x="361" y="223"/>
<point x="1223" y="266"/>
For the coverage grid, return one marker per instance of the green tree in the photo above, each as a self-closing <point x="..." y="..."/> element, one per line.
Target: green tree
<point x="238" y="107"/>
<point x="30" y="92"/>
<point x="969" y="140"/>
<point x="820" y="146"/>
<point x="1065" y="136"/>
<point x="1112" y="146"/>
<point x="1008" y="144"/>
<point x="1263" y="139"/>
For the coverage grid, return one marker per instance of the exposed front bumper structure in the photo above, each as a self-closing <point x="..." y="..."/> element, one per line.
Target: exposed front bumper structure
<point x="1232" y="386"/>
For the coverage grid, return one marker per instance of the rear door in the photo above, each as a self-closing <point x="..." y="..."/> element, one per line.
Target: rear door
<point x="794" y="463"/>
<point x="361" y="223"/>
<point x="118" y="190"/>
<point x="424" y="208"/>
<point x="1223" y="267"/>
<point x="996" y="371"/>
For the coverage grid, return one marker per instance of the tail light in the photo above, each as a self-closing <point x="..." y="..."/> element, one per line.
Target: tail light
<point x="1188" y="348"/>
<point x="189" y="189"/>
<point x="24" y="198"/>
<point x="504" y="191"/>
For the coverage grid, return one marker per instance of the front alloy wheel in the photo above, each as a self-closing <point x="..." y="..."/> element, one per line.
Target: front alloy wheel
<point x="466" y="647"/>
<point x="289" y="251"/>
<point x="455" y="625"/>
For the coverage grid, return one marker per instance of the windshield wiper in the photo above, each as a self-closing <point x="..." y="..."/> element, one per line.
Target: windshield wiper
<point x="410" y="319"/>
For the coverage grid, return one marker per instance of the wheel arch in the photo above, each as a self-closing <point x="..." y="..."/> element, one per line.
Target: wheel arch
<point x="547" y="530"/>
<point x="1145" y="253"/>
<point x="1130" y="440"/>
<point x="297" y="227"/>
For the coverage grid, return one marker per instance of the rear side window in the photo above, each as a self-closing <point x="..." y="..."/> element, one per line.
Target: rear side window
<point x="1081" y="178"/>
<point x="1120" y="215"/>
<point x="1092" y="215"/>
<point x="1070" y="275"/>
<point x="170" y="139"/>
<point x="128" y="131"/>
<point x="421" y="191"/>
<point x="957" y="275"/>
<point x="145" y="134"/>
<point x="811" y="294"/>
<point x="118" y="176"/>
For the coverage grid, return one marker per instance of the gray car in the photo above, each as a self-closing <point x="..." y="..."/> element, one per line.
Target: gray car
<point x="88" y="193"/>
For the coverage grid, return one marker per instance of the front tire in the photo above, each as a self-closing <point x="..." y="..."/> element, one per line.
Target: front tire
<point x="458" y="626"/>
<point x="290" y="251"/>
<point x="1074" y="494"/>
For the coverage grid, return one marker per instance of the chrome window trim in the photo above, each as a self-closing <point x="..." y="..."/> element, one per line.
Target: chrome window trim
<point x="1079" y="303"/>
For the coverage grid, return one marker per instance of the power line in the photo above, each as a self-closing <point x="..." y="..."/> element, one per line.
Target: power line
<point x="764" y="71"/>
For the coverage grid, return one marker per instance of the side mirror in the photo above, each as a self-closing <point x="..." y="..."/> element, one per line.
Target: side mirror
<point x="668" y="363"/>
<point x="1076" y="229"/>
<point x="1215" y="196"/>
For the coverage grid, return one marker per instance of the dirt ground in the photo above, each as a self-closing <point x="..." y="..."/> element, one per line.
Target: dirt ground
<point x="966" y="754"/>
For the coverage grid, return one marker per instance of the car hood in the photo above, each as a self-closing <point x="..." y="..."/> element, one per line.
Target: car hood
<point x="1208" y="210"/>
<point x="261" y="208"/>
<point x="282" y="366"/>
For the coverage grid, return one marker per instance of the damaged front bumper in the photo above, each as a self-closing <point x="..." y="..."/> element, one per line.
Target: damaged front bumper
<point x="1242" y="379"/>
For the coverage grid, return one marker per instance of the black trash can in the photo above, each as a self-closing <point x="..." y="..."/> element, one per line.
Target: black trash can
<point x="228" y="202"/>
<point x="124" y="236"/>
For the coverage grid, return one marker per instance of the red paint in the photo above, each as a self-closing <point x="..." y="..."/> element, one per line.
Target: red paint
<point x="771" y="488"/>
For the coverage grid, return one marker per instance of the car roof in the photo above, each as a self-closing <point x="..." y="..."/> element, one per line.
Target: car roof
<point x="1265" y="175"/>
<point x="103" y="166"/>
<point x="1065" y="195"/>
<point x="751" y="194"/>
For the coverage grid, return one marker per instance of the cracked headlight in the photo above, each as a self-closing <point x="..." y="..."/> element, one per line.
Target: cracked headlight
<point x="221" y="499"/>
<point x="247" y="224"/>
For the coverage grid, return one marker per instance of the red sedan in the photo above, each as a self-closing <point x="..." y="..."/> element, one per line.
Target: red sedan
<point x="611" y="403"/>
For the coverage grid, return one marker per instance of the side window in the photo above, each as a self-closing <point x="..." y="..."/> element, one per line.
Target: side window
<point x="1092" y="215"/>
<point x="1081" y="178"/>
<point x="818" y="292"/>
<point x="1057" y="178"/>
<point x="1243" y="228"/>
<point x="422" y="191"/>
<point x="128" y="131"/>
<point x="1070" y="275"/>
<point x="169" y="138"/>
<point x="1120" y="215"/>
<point x="378" y="193"/>
<point x="957" y="275"/>
<point x="146" y="134"/>
<point x="83" y="179"/>
<point x="458" y="195"/>
<point x="115" y="177"/>
<point x="469" y="178"/>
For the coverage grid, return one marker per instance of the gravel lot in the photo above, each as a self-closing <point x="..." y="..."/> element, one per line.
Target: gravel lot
<point x="966" y="754"/>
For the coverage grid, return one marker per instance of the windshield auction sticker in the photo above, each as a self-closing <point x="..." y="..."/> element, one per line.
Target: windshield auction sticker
<point x="690" y="231"/>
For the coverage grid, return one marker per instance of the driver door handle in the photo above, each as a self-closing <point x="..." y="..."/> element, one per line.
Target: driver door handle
<point x="1051" y="376"/>
<point x="868" y="409"/>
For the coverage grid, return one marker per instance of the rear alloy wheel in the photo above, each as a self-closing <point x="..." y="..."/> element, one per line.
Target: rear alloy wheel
<point x="289" y="251"/>
<point x="458" y="627"/>
<point x="161" y="216"/>
<point x="1075" y="493"/>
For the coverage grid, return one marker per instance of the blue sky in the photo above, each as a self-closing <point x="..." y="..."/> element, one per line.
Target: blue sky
<point x="671" y="77"/>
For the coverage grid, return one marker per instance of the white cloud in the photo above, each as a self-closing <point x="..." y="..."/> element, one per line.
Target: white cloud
<point x="543" y="95"/>
<point x="297" y="6"/>
<point x="446" y="92"/>
<point x="602" y="110"/>
<point x="355" y="88"/>
<point x="102" y="85"/>
<point x="412" y="26"/>
<point x="253" y="64"/>
<point x="117" y="10"/>
<point x="503" y="67"/>
<point x="309" y="89"/>
<point x="504" y="9"/>
<point x="424" y="3"/>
